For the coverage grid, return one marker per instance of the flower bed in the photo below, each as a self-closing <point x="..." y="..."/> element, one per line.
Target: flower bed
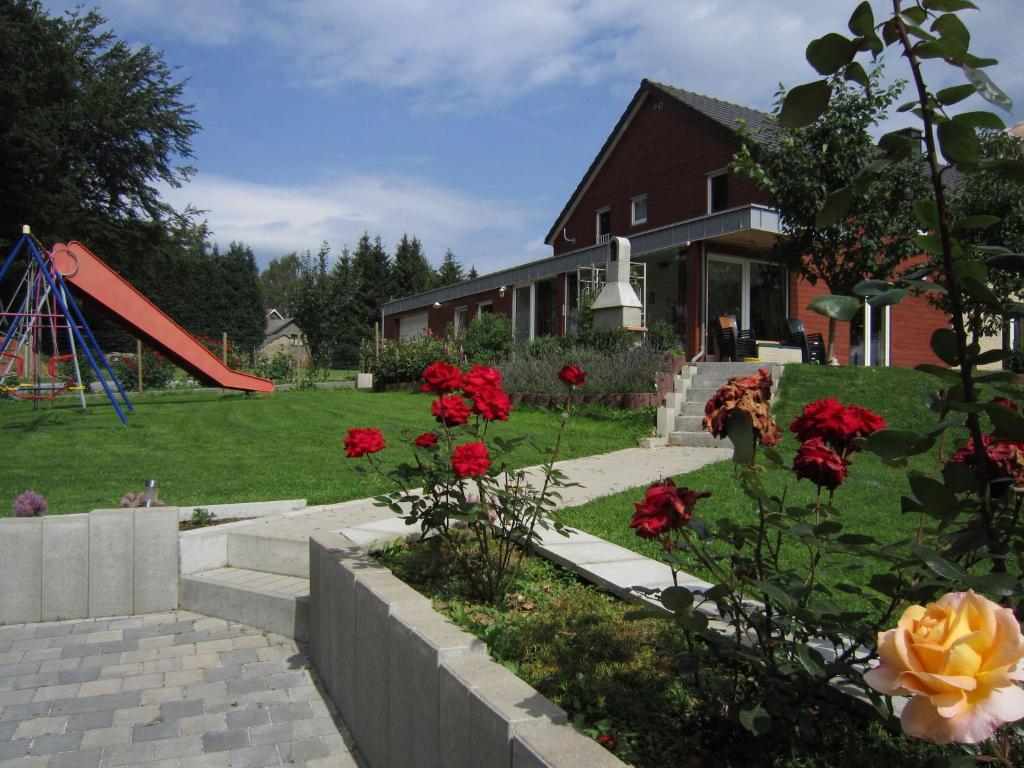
<point x="631" y="683"/>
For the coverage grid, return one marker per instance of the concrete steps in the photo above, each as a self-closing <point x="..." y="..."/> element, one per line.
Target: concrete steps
<point x="274" y="602"/>
<point x="684" y="410"/>
<point x="261" y="550"/>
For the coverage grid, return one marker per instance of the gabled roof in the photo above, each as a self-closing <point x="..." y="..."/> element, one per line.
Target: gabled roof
<point x="718" y="115"/>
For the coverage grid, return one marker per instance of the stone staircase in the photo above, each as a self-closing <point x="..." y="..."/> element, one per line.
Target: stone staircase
<point x="680" y="420"/>
<point x="257" y="572"/>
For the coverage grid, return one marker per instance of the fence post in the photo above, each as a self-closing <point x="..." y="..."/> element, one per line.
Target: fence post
<point x="224" y="348"/>
<point x="138" y="363"/>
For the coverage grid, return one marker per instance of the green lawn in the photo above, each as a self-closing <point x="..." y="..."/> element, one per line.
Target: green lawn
<point x="869" y="500"/>
<point x="209" y="449"/>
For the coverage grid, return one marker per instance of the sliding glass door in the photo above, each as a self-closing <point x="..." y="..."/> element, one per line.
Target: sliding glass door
<point x="754" y="292"/>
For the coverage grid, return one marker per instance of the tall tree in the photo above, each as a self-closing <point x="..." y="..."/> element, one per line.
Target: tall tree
<point x="91" y="128"/>
<point x="451" y="271"/>
<point x="347" y="327"/>
<point x="473" y="274"/>
<point x="372" y="278"/>
<point x="800" y="167"/>
<point x="412" y="272"/>
<point x="313" y="307"/>
<point x="280" y="283"/>
<point x="242" y="315"/>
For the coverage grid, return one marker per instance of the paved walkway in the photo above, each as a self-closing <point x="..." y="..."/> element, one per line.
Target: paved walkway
<point x="171" y="690"/>
<point x="598" y="476"/>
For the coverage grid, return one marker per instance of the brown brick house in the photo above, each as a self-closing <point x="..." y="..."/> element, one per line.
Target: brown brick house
<point x="698" y="234"/>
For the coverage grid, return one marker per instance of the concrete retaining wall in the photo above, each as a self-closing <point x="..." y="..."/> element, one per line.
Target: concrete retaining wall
<point x="109" y="562"/>
<point x="414" y="689"/>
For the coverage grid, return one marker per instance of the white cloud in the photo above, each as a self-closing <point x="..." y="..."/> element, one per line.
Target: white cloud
<point x="274" y="220"/>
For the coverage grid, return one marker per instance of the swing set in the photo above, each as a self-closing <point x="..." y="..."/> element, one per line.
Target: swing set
<point x="35" y="323"/>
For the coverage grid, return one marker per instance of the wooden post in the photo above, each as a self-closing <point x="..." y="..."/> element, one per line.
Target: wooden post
<point x="138" y="363"/>
<point x="224" y="347"/>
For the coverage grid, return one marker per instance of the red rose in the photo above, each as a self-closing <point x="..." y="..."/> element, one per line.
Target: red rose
<point x="492" y="403"/>
<point x="450" y="410"/>
<point x="573" y="376"/>
<point x="441" y="377"/>
<point x="363" y="440"/>
<point x="835" y="423"/>
<point x="483" y="385"/>
<point x="1004" y="401"/>
<point x="663" y="509"/>
<point x="471" y="460"/>
<point x="818" y="463"/>
<point x="1005" y="456"/>
<point x="481" y="377"/>
<point x="607" y="741"/>
<point x="426" y="440"/>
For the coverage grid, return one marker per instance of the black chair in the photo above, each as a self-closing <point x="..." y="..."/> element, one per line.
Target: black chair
<point x="736" y="344"/>
<point x="812" y="346"/>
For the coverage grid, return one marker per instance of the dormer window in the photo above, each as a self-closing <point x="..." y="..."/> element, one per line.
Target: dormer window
<point x="604" y="225"/>
<point x="639" y="207"/>
<point x="718" y="191"/>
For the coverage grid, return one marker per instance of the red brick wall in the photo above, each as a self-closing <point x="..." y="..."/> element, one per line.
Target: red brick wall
<point x="911" y="325"/>
<point x="438" y="319"/>
<point x="666" y="154"/>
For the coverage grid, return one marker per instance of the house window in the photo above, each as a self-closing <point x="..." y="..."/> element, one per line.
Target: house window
<point x="718" y="192"/>
<point x="522" y="311"/>
<point x="639" y="209"/>
<point x="459" y="319"/>
<point x="604" y="225"/>
<point x="485" y="308"/>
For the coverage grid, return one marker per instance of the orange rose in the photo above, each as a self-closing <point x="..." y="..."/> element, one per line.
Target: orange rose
<point x="958" y="661"/>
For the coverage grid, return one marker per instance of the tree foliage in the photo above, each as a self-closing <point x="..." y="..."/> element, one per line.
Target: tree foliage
<point x="450" y="271"/>
<point x="90" y="128"/>
<point x="280" y="283"/>
<point x="804" y="165"/>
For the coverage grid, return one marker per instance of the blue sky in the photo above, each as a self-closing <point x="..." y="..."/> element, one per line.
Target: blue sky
<point x="466" y="124"/>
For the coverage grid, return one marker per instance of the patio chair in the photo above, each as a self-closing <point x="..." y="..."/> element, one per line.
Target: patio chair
<point x="736" y="344"/>
<point x="812" y="346"/>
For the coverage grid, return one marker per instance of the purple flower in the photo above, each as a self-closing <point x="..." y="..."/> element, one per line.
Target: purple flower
<point x="29" y="504"/>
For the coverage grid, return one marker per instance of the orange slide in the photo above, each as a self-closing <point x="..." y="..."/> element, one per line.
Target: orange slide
<point x="87" y="274"/>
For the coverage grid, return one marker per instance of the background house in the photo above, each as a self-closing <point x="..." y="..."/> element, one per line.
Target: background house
<point x="699" y="236"/>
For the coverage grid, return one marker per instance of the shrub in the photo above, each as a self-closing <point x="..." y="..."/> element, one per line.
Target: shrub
<point x="29" y="504"/>
<point x="610" y="371"/>
<point x="278" y="368"/>
<point x="403" y="361"/>
<point x="157" y="370"/>
<point x="661" y="336"/>
<point x="602" y="339"/>
<point x="488" y="339"/>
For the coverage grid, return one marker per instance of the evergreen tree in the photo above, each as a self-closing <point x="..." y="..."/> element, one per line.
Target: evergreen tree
<point x="451" y="271"/>
<point x="242" y="315"/>
<point x="91" y="128"/>
<point x="372" y="284"/>
<point x="347" y="326"/>
<point x="280" y="283"/>
<point x="473" y="274"/>
<point x="313" y="307"/>
<point x="412" y="271"/>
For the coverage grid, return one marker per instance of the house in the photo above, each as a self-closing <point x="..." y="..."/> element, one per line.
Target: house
<point x="282" y="336"/>
<point x="698" y="233"/>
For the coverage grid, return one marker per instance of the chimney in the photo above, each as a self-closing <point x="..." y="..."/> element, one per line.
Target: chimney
<point x="617" y="305"/>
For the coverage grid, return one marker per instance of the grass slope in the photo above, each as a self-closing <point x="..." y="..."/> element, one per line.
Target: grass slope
<point x="869" y="500"/>
<point x="209" y="449"/>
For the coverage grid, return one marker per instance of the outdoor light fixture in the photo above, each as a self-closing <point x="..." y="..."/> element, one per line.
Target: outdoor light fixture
<point x="501" y="292"/>
<point x="437" y="305"/>
<point x="149" y="494"/>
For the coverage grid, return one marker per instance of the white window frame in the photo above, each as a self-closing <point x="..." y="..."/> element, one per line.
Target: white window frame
<point x="455" y="317"/>
<point x="533" y="307"/>
<point x="632" y="210"/>
<point x="746" y="262"/>
<point x="714" y="175"/>
<point x="480" y="307"/>
<point x="598" y="237"/>
<point x="885" y="332"/>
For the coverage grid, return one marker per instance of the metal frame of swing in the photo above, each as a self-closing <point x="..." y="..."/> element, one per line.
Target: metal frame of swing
<point x="50" y="287"/>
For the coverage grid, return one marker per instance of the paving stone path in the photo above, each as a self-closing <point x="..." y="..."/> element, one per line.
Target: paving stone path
<point x="170" y="690"/>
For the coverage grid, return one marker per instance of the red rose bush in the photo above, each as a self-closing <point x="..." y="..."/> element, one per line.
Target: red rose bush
<point x="459" y="487"/>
